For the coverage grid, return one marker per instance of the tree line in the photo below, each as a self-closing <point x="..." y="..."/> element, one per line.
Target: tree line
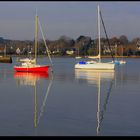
<point x="82" y="46"/>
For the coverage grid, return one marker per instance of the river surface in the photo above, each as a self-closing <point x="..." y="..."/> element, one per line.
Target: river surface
<point x="70" y="102"/>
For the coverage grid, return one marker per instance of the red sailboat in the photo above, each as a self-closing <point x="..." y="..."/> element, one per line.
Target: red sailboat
<point x="30" y="65"/>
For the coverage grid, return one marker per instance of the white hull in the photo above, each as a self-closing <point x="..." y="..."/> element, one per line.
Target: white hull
<point x="96" y="66"/>
<point x="122" y="62"/>
<point x="78" y="57"/>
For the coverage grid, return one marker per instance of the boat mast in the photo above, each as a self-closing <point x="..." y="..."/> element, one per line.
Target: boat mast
<point x="122" y="52"/>
<point x="36" y="36"/>
<point x="5" y="50"/>
<point x="99" y="34"/>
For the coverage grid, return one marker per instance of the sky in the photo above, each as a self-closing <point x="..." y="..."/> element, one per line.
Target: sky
<point x="69" y="18"/>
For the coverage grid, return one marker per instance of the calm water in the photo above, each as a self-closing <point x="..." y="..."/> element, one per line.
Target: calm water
<point x="70" y="102"/>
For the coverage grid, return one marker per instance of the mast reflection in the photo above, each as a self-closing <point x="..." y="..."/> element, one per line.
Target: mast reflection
<point x="96" y="77"/>
<point x="30" y="79"/>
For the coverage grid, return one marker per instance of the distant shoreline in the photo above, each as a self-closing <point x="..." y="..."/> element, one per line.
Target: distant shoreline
<point x="72" y="56"/>
<point x="132" y="56"/>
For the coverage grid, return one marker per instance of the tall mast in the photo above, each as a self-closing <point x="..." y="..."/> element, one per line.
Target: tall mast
<point x="122" y="52"/>
<point x="5" y="50"/>
<point x="36" y="36"/>
<point x="99" y="34"/>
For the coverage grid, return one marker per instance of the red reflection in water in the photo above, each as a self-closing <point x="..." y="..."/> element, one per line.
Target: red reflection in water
<point x="31" y="75"/>
<point x="26" y="78"/>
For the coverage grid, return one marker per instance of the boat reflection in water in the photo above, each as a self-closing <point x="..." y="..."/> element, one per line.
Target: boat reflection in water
<point x="91" y="76"/>
<point x="96" y="77"/>
<point x="30" y="79"/>
<point x="26" y="78"/>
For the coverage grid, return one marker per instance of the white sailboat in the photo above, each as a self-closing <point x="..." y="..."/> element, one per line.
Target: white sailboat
<point x="117" y="62"/>
<point x="122" y="61"/>
<point x="97" y="64"/>
<point x="78" y="57"/>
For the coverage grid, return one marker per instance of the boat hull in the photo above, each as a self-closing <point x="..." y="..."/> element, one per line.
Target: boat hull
<point x="117" y="62"/>
<point x="78" y="57"/>
<point x="96" y="66"/>
<point x="31" y="69"/>
<point x="122" y="62"/>
<point x="5" y="59"/>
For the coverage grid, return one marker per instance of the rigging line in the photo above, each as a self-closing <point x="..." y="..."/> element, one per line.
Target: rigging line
<point x="106" y="35"/>
<point x="45" y="44"/>
<point x="101" y="117"/>
<point x="44" y="101"/>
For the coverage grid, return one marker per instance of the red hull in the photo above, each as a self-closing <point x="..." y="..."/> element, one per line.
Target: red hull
<point x="32" y="69"/>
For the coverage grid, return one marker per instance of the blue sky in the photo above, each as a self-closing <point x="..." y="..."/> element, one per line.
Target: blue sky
<point x="17" y="19"/>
